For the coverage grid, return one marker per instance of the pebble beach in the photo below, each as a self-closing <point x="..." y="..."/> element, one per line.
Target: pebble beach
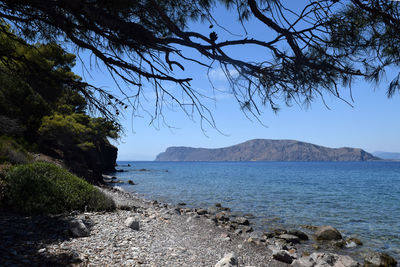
<point x="164" y="238"/>
<point x="147" y="233"/>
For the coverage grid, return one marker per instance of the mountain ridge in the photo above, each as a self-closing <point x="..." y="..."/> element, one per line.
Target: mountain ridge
<point x="266" y="150"/>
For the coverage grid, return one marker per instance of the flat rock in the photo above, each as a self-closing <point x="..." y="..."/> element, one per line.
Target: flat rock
<point x="290" y="238"/>
<point x="327" y="233"/>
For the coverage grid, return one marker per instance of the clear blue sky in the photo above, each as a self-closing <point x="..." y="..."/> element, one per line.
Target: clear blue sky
<point x="372" y="124"/>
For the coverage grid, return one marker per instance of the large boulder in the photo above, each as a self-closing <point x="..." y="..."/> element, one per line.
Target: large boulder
<point x="229" y="260"/>
<point x="77" y="228"/>
<point x="378" y="259"/>
<point x="327" y="233"/>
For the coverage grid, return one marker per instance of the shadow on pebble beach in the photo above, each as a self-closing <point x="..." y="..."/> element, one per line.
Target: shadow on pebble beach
<point x="23" y="240"/>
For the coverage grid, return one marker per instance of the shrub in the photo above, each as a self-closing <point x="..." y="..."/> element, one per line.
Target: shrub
<point x="11" y="151"/>
<point x="3" y="184"/>
<point x="45" y="188"/>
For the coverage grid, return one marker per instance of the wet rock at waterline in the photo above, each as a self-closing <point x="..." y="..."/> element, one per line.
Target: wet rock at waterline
<point x="325" y="259"/>
<point x="290" y="238"/>
<point x="298" y="233"/>
<point x="327" y="233"/>
<point x="378" y="259"/>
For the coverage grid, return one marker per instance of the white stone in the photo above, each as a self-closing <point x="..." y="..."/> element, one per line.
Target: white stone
<point x="78" y="229"/>
<point x="229" y="260"/>
<point x="132" y="223"/>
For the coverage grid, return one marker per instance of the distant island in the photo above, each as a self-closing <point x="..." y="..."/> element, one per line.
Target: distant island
<point x="266" y="150"/>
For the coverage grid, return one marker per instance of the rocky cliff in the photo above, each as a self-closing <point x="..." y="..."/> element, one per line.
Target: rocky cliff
<point x="266" y="150"/>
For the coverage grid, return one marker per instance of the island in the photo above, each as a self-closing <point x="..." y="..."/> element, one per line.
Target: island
<point x="266" y="150"/>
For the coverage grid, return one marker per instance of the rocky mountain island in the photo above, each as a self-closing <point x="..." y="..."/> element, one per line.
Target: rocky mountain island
<point x="266" y="150"/>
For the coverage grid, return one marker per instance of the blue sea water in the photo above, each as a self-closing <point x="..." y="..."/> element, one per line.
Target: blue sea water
<point x="361" y="199"/>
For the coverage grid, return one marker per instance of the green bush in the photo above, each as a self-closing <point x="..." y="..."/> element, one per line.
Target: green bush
<point x="45" y="188"/>
<point x="11" y="151"/>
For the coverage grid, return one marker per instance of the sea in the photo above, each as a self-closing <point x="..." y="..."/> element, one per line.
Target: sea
<point x="360" y="199"/>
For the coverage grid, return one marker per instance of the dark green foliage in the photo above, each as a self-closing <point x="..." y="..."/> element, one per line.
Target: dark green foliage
<point x="12" y="152"/>
<point x="45" y="188"/>
<point x="44" y="105"/>
<point x="66" y="130"/>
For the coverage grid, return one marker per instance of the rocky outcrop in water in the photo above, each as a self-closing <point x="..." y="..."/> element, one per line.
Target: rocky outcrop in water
<point x="266" y="150"/>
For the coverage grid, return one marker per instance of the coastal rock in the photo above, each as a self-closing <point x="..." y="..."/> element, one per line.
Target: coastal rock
<point x="229" y="260"/>
<point x="221" y="216"/>
<point x="247" y="229"/>
<point x="298" y="233"/>
<point x="201" y="211"/>
<point x="132" y="223"/>
<point x="330" y="259"/>
<point x="290" y="238"/>
<point x="268" y="235"/>
<point x="282" y="255"/>
<point x="338" y="243"/>
<point x="303" y="262"/>
<point x="327" y="233"/>
<point x="325" y="259"/>
<point x="280" y="231"/>
<point x="218" y="205"/>
<point x="131" y="182"/>
<point x="249" y="216"/>
<point x="378" y="259"/>
<point x="78" y="229"/>
<point x="308" y="226"/>
<point x="238" y="231"/>
<point x="242" y="221"/>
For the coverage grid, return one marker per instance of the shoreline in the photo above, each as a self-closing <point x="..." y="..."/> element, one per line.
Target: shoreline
<point x="167" y="236"/>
